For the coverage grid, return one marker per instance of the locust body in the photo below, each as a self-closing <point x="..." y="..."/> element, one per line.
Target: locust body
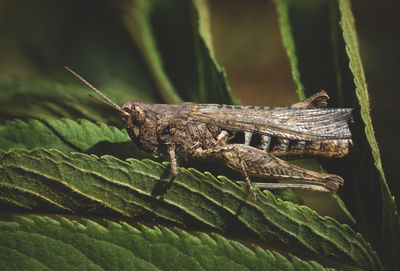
<point x="248" y="139"/>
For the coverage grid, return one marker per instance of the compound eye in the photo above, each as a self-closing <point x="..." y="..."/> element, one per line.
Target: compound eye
<point x="139" y="114"/>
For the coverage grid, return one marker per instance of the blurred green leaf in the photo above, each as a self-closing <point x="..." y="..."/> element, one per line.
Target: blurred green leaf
<point x="49" y="99"/>
<point x="171" y="36"/>
<point x="284" y="7"/>
<point x="315" y="49"/>
<point x="43" y="180"/>
<point x="95" y="43"/>
<point x="71" y="246"/>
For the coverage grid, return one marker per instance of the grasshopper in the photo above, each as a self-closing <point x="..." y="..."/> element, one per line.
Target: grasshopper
<point x="249" y="139"/>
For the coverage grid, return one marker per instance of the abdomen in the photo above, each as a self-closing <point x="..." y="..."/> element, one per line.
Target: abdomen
<point x="293" y="148"/>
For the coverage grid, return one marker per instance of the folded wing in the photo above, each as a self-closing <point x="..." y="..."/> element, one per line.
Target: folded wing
<point x="311" y="124"/>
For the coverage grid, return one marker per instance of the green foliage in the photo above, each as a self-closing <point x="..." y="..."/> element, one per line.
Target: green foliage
<point x="58" y="155"/>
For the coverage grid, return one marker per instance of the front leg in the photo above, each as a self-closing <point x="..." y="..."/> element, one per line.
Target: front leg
<point x="174" y="169"/>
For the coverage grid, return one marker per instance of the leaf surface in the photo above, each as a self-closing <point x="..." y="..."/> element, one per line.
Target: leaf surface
<point x="73" y="246"/>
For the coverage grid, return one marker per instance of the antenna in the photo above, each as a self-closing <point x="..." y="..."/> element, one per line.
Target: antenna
<point x="108" y="101"/>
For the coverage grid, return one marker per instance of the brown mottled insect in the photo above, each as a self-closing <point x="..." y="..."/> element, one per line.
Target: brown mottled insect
<point x="249" y="139"/>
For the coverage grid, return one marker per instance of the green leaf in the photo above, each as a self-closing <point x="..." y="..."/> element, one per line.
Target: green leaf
<point x="49" y="181"/>
<point x="185" y="67"/>
<point x="65" y="135"/>
<point x="68" y="136"/>
<point x="322" y="45"/>
<point x="67" y="245"/>
<point x="289" y="43"/>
